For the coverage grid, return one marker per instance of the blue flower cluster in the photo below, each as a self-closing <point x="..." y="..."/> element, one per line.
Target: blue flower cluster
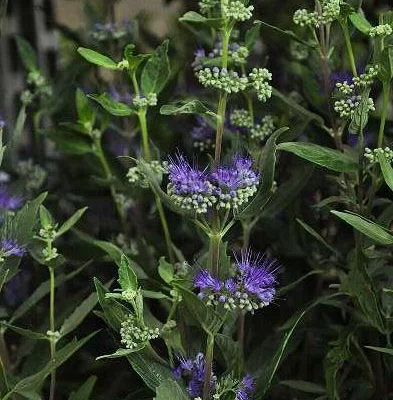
<point x="202" y="135"/>
<point x="9" y="247"/>
<point x="9" y="202"/>
<point x="193" y="372"/>
<point x="252" y="287"/>
<point x="227" y="186"/>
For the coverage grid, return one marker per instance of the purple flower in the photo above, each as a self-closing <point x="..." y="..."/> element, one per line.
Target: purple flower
<point x="193" y="371"/>
<point x="246" y="388"/>
<point x="340" y="77"/>
<point x="8" y="201"/>
<point x="200" y="55"/>
<point x="2" y="123"/>
<point x="9" y="247"/>
<point x="202" y="134"/>
<point x="252" y="287"/>
<point x="120" y="96"/>
<point x="204" y="280"/>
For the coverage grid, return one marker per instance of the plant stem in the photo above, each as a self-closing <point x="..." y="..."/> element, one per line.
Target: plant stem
<point x="208" y="366"/>
<point x="385" y="105"/>
<point x="108" y="173"/>
<point x="214" y="253"/>
<point x="348" y="45"/>
<point x="222" y="104"/>
<point x="165" y="228"/>
<point x="52" y="339"/>
<point x="145" y="135"/>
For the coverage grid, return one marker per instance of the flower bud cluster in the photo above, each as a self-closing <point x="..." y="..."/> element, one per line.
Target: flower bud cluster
<point x="137" y="177"/>
<point x="241" y="118"/>
<point x="40" y="84"/>
<point x="33" y="174"/>
<point x="109" y="31"/>
<point x="367" y="78"/>
<point x="222" y="79"/>
<point x="264" y="129"/>
<point x="330" y="12"/>
<point x="381" y="30"/>
<point x="238" y="54"/>
<point x="347" y="107"/>
<point x="372" y="155"/>
<point x="303" y="17"/>
<point x="345" y="88"/>
<point x="235" y="9"/>
<point x="207" y="6"/>
<point x="132" y="335"/>
<point x="145" y="101"/>
<point x="259" y="80"/>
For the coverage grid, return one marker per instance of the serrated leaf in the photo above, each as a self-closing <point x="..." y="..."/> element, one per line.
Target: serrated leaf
<point x="303" y="386"/>
<point x="127" y="277"/>
<point x="170" y="389"/>
<point x="322" y="156"/>
<point x="385" y="65"/>
<point x="112" y="106"/>
<point x="186" y="107"/>
<point x="97" y="58"/>
<point x="27" y="54"/>
<point x="360" y="22"/>
<point x="84" y="392"/>
<point x="192" y="17"/>
<point x="230" y="350"/>
<point x="79" y="314"/>
<point x="71" y="222"/>
<point x="359" y="118"/>
<point x="156" y="71"/>
<point x="134" y="60"/>
<point x="374" y="231"/>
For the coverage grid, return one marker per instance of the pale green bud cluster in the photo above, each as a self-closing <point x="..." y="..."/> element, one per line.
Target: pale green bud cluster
<point x="222" y="79"/>
<point x="239" y="56"/>
<point x="239" y="301"/>
<point x="42" y="88"/>
<point x="381" y="30"/>
<point x="207" y="6"/>
<point x="132" y="336"/>
<point x="241" y="118"/>
<point x="367" y="78"/>
<point x="372" y="155"/>
<point x="263" y="130"/>
<point x="303" y="17"/>
<point x="199" y="203"/>
<point x="347" y="107"/>
<point x="33" y="174"/>
<point x="50" y="253"/>
<point x="345" y="88"/>
<point x="26" y="97"/>
<point x="330" y="11"/>
<point x="53" y="336"/>
<point x="235" y="9"/>
<point x="142" y="101"/>
<point x="137" y="177"/>
<point x="123" y="64"/>
<point x="235" y="200"/>
<point x="203" y="145"/>
<point x="128" y="295"/>
<point x="176" y="295"/>
<point x="259" y="79"/>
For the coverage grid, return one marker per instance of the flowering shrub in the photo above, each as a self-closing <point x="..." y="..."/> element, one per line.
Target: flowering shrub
<point x="203" y="224"/>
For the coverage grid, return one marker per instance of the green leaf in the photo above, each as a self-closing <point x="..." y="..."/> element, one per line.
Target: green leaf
<point x="166" y="270"/>
<point x="328" y="158"/>
<point x="186" y="107"/>
<point x="26" y="332"/>
<point x="127" y="277"/>
<point x="209" y="320"/>
<point x="374" y="231"/>
<point x="3" y="277"/>
<point x="86" y="114"/>
<point x="134" y="60"/>
<point x="84" y="392"/>
<point x="45" y="217"/>
<point x="360" y="117"/>
<point x="252" y="35"/>
<point x="170" y="389"/>
<point x="266" y="371"/>
<point x="70" y="142"/>
<point x="303" y="386"/>
<point x="79" y="314"/>
<point x="33" y="382"/>
<point x="112" y="106"/>
<point x="27" y="54"/>
<point x="97" y="58"/>
<point x="385" y="63"/>
<point x="230" y="350"/>
<point x="267" y="167"/>
<point x="156" y="72"/>
<point x="316" y="235"/>
<point x="387" y="170"/>
<point x="123" y="352"/>
<point x="71" y="222"/>
<point x="192" y="17"/>
<point x="285" y="289"/>
<point x="360" y="22"/>
<point x="152" y="373"/>
<point x="381" y="350"/>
